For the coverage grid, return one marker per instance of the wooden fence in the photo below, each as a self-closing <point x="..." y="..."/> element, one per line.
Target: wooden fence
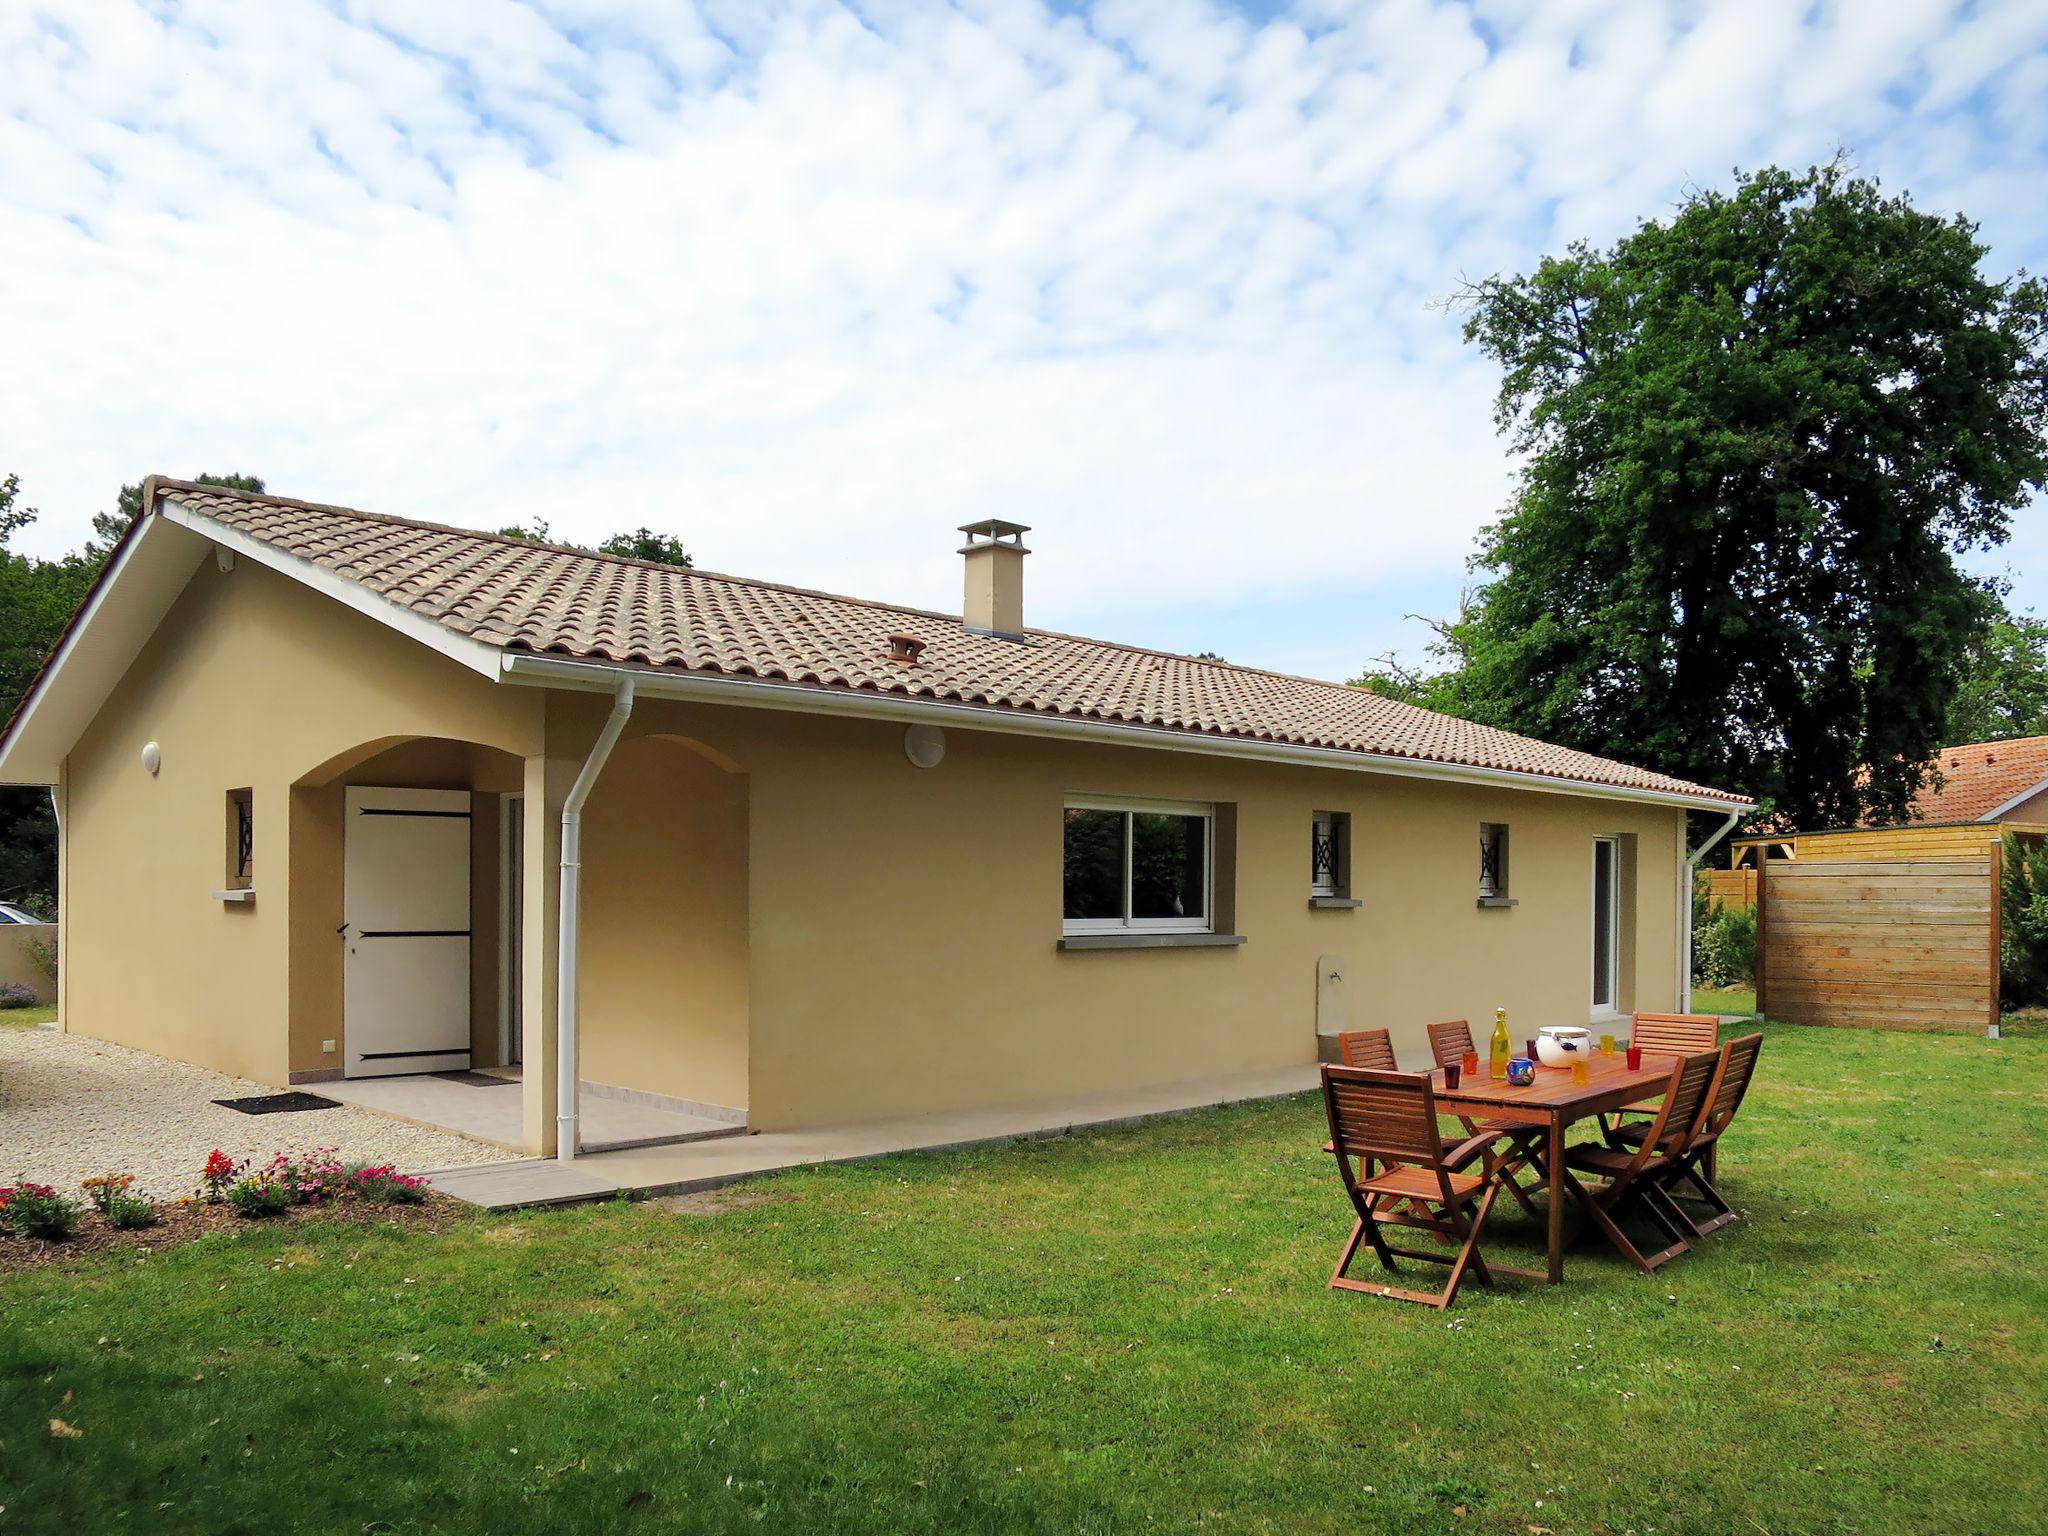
<point x="1734" y="889"/>
<point x="1900" y="942"/>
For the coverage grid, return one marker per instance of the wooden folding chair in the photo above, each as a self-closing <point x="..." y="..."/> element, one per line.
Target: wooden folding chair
<point x="1697" y="1165"/>
<point x="1662" y="1034"/>
<point x="1369" y="1048"/>
<point x="1450" y="1042"/>
<point x="1389" y="1118"/>
<point x="1634" y="1177"/>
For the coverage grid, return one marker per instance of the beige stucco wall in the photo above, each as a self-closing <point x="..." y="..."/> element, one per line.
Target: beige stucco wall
<point x="250" y="681"/>
<point x="664" y="963"/>
<point x="904" y="922"/>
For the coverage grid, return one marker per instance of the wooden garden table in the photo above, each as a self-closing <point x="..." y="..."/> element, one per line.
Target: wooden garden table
<point x="1553" y="1102"/>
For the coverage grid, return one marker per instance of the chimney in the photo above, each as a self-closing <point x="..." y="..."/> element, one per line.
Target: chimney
<point x="994" y="603"/>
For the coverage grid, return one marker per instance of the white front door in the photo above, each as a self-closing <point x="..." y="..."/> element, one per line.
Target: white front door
<point x="405" y="904"/>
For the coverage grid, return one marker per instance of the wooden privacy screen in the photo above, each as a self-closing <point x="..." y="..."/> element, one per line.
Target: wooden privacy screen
<point x="1881" y="943"/>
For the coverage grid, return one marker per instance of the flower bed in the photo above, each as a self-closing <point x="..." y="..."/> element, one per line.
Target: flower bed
<point x="38" y="1225"/>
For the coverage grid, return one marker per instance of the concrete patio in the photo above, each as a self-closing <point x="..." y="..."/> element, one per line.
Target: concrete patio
<point x="708" y="1163"/>
<point x="486" y="1106"/>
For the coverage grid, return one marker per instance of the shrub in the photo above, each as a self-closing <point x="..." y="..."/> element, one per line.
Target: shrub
<point x="17" y="994"/>
<point x="258" y="1197"/>
<point x="385" y="1185"/>
<point x="1724" y="947"/>
<point x="2023" y="926"/>
<point x="37" y="1210"/>
<point x="130" y="1213"/>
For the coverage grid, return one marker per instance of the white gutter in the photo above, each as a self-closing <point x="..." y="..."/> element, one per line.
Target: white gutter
<point x="1688" y="874"/>
<point x="568" y="1068"/>
<point x="711" y="688"/>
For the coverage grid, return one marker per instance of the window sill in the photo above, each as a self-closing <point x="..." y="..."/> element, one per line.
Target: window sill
<point x="1333" y="903"/>
<point x="238" y="893"/>
<point x="1496" y="901"/>
<point x="1150" y="940"/>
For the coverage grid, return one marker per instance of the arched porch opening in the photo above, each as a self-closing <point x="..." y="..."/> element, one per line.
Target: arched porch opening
<point x="446" y="853"/>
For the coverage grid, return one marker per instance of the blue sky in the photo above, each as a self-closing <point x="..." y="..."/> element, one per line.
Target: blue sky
<point x="810" y="284"/>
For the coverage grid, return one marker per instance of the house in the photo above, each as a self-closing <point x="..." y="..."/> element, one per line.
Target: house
<point x="1987" y="781"/>
<point x="345" y="794"/>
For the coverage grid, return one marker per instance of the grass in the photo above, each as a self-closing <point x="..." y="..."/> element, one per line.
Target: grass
<point x="1106" y="1332"/>
<point x="1740" y="1000"/>
<point x="29" y="1018"/>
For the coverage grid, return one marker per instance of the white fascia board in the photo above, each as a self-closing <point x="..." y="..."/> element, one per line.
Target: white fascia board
<point x="477" y="655"/>
<point x="555" y="672"/>
<point x="147" y="573"/>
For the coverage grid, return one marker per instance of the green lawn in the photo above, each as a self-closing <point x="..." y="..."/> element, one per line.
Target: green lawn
<point x="1107" y="1332"/>
<point x="1724" y="999"/>
<point x="28" y="1018"/>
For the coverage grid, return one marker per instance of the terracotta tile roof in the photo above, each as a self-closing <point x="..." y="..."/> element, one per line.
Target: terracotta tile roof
<point x="1980" y="776"/>
<point x="569" y="603"/>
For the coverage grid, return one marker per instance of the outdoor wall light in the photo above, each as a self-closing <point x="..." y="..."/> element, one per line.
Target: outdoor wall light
<point x="152" y="758"/>
<point x="924" y="745"/>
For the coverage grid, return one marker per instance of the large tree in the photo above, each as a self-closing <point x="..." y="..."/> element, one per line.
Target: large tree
<point x="2002" y="682"/>
<point x="1753" y="439"/>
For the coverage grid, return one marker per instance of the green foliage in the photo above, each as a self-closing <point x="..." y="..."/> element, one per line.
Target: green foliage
<point x="2023" y="926"/>
<point x="1724" y="947"/>
<point x="646" y="544"/>
<point x="2002" y="682"/>
<point x="639" y="544"/>
<point x="130" y="1213"/>
<point x="37" y="1210"/>
<point x="1755" y="436"/>
<point x="258" y="1197"/>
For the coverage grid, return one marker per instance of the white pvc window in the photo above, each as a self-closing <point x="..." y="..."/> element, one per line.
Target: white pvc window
<point x="1138" y="866"/>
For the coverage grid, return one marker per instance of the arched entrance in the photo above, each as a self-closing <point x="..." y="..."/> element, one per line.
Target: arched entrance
<point x="398" y="948"/>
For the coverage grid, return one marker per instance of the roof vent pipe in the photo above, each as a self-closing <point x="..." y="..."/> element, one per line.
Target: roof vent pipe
<point x="568" y="1066"/>
<point x="994" y="602"/>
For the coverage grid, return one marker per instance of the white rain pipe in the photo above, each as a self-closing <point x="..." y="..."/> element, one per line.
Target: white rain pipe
<point x="1688" y="878"/>
<point x="568" y="1069"/>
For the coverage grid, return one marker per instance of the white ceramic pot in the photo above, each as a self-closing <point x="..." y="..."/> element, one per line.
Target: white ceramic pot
<point x="1559" y="1045"/>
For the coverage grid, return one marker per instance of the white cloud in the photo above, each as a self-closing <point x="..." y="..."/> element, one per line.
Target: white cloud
<point x="810" y="286"/>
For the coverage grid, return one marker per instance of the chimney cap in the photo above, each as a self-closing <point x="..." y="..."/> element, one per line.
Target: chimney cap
<point x="994" y="531"/>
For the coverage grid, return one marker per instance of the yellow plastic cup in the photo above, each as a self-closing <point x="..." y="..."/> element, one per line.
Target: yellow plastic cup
<point x="1607" y="1045"/>
<point x="1580" y="1072"/>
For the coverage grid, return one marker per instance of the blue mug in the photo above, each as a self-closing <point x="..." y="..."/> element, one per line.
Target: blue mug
<point x="1521" y="1071"/>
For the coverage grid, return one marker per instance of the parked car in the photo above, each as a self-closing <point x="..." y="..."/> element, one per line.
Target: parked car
<point x="10" y="913"/>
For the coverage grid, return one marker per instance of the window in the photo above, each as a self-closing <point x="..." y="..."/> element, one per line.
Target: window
<point x="1493" y="864"/>
<point x="1329" y="856"/>
<point x="241" y="840"/>
<point x="1138" y="866"/>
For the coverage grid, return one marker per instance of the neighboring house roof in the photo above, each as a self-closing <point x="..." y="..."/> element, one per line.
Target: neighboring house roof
<point x="519" y="597"/>
<point x="1981" y="780"/>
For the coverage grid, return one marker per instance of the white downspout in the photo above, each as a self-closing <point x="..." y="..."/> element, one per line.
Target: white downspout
<point x="568" y="1070"/>
<point x="1688" y="876"/>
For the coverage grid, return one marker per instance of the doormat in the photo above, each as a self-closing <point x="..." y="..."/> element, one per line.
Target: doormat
<point x="475" y="1079"/>
<point x="278" y="1103"/>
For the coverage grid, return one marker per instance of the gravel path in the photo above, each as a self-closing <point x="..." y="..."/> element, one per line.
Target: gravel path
<point x="73" y="1107"/>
